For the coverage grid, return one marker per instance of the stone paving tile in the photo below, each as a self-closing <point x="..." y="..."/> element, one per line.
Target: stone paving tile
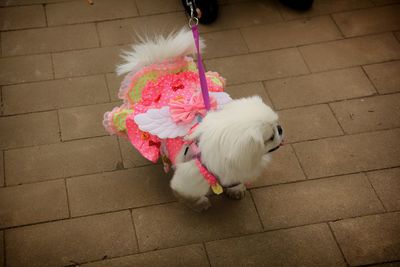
<point x="27" y="2"/>
<point x="12" y="18"/>
<point x="224" y="43"/>
<point x="369" y="114"/>
<point x="130" y="156"/>
<point x="247" y="90"/>
<point x="367" y="21"/>
<point x="86" y="62"/>
<point x="83" y="122"/>
<point x="316" y="201"/>
<point x="319" y="88"/>
<point x="118" y="190"/>
<point x="311" y="245"/>
<point x="28" y="130"/>
<point x="391" y="264"/>
<point x="284" y="167"/>
<point x="313" y="122"/>
<point x="71" y="241"/>
<point x="289" y="34"/>
<point x="259" y="66"/>
<point x="321" y="7"/>
<point x="244" y="14"/>
<point x="49" y="39"/>
<point x="174" y="225"/>
<point x="61" y="160"/>
<point x="370" y="239"/>
<point x="113" y="84"/>
<point x="80" y="11"/>
<point x="54" y="94"/>
<point x="387" y="186"/>
<point x="351" y="52"/>
<point x="147" y="7"/>
<point x="1" y="168"/>
<point x="125" y="31"/>
<point x="384" y="2"/>
<point x="25" y="69"/>
<point x="32" y="203"/>
<point x="385" y="76"/>
<point x="193" y="256"/>
<point x="1" y="248"/>
<point x="349" y="154"/>
<point x="397" y="34"/>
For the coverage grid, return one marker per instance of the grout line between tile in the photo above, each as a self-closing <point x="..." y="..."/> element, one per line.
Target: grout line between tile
<point x="138" y="11"/>
<point x="45" y="14"/>
<point x="1" y="102"/>
<point x="4" y="249"/>
<point x="108" y="87"/>
<point x="59" y="126"/>
<point x="304" y="60"/>
<point x="376" y="193"/>
<point x="134" y="231"/>
<point x="376" y="263"/>
<point x="207" y="256"/>
<point x="258" y="213"/>
<point x="337" y="243"/>
<point x="4" y="168"/>
<point x="120" y="154"/>
<point x="336" y="119"/>
<point x="98" y="34"/>
<point x="269" y="95"/>
<point x="244" y="40"/>
<point x="52" y="66"/>
<point x="369" y="79"/>
<point x="337" y="26"/>
<point x="68" y="202"/>
<point x="279" y="7"/>
<point x="300" y="164"/>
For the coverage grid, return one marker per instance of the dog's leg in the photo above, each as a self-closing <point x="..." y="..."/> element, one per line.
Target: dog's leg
<point x="197" y="204"/>
<point x="236" y="192"/>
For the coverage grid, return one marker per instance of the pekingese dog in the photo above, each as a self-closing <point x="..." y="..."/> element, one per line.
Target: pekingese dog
<point x="219" y="149"/>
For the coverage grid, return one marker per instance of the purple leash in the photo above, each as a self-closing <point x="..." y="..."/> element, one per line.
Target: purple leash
<point x="200" y="67"/>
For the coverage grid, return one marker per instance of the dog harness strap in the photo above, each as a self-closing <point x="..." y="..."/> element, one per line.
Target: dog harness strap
<point x="210" y="178"/>
<point x="202" y="75"/>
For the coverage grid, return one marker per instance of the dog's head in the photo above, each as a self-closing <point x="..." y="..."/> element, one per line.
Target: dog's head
<point x="242" y="132"/>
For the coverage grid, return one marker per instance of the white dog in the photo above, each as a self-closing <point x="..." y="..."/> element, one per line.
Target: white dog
<point x="222" y="149"/>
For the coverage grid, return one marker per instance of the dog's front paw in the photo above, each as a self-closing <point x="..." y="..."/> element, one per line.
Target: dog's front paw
<point x="236" y="192"/>
<point x="201" y="205"/>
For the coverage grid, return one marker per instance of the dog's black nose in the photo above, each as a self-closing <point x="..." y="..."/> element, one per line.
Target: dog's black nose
<point x="280" y="130"/>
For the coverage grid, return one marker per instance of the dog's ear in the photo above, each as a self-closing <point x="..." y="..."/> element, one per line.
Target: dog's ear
<point x="246" y="148"/>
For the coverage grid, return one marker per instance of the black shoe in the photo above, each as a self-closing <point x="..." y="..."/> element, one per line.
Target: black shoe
<point x="208" y="10"/>
<point x="298" y="4"/>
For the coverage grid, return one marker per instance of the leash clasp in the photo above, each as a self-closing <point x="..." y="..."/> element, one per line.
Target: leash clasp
<point x="192" y="20"/>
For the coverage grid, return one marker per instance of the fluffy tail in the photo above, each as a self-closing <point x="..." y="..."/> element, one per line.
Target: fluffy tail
<point x="158" y="49"/>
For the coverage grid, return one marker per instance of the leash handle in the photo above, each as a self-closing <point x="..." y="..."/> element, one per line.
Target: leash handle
<point x="200" y="67"/>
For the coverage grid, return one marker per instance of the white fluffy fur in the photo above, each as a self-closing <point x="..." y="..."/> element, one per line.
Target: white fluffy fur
<point x="158" y="49"/>
<point x="234" y="144"/>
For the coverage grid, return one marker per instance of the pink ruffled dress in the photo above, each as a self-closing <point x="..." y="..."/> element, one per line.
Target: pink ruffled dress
<point x="174" y="84"/>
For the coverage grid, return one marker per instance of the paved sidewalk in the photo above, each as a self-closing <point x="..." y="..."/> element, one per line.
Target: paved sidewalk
<point x="72" y="195"/>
